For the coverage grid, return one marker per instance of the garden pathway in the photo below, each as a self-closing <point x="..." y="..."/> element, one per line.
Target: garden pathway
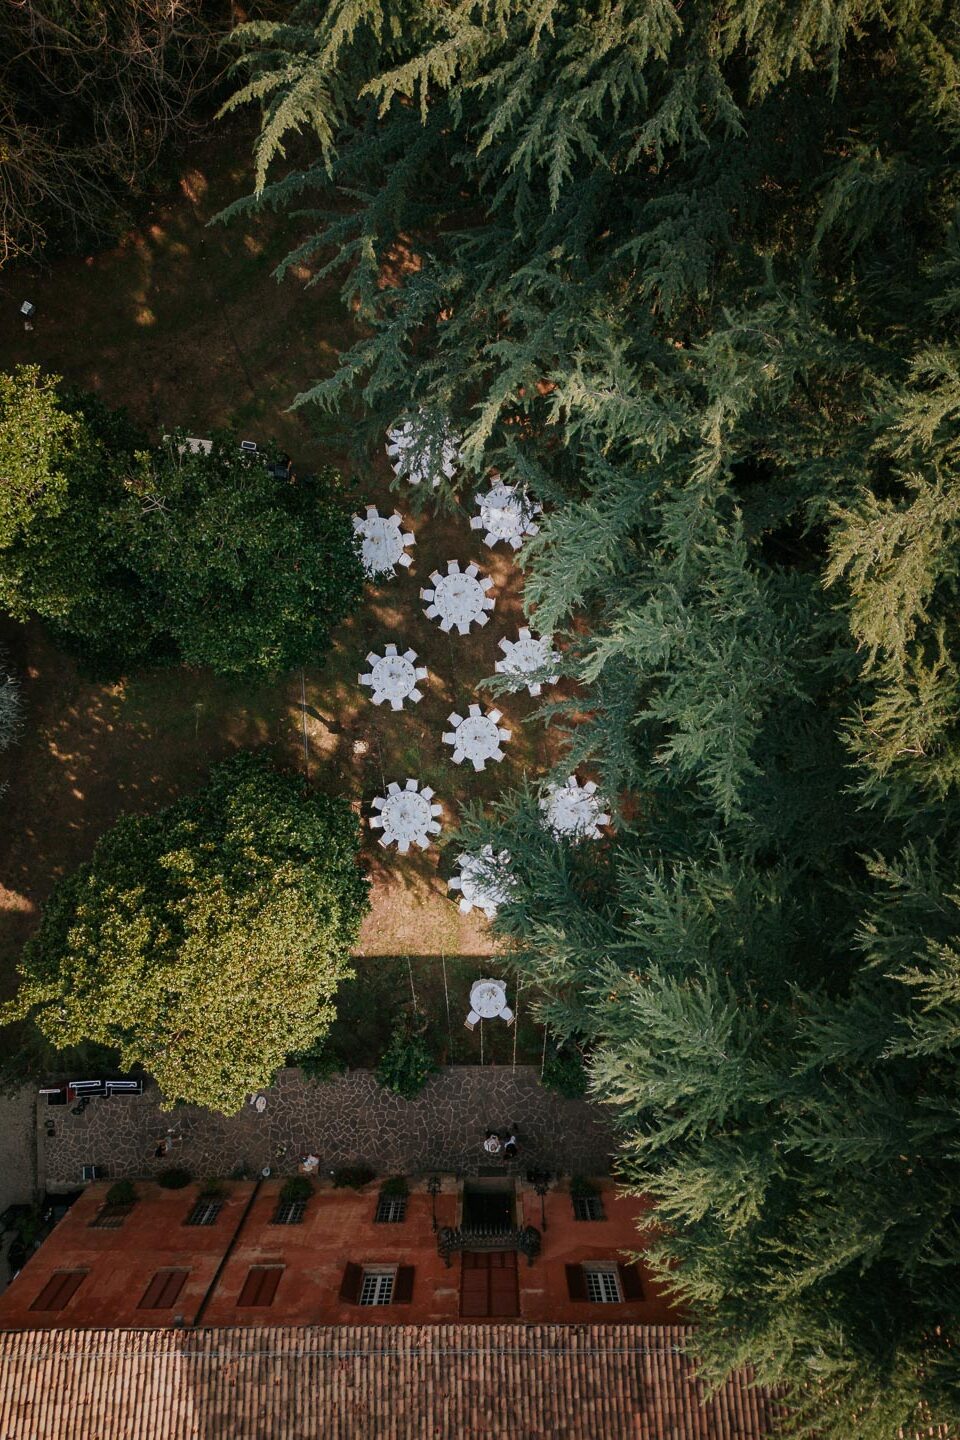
<point x="348" y="1120"/>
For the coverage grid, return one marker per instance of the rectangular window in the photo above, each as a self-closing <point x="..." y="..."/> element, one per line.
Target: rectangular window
<point x="61" y="1287"/>
<point x="377" y="1287"/>
<point x="391" y="1209"/>
<point x="260" y="1285"/>
<point x="163" y="1290"/>
<point x="603" y="1287"/>
<point x="111" y="1217"/>
<point x="588" y="1207"/>
<point x="289" y="1212"/>
<point x="204" y="1212"/>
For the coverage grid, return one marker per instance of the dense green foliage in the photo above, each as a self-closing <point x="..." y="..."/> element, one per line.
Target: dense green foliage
<point x="205" y="942"/>
<point x="408" y="1062"/>
<point x="692" y="276"/>
<point x="563" y="1071"/>
<point x="135" y="555"/>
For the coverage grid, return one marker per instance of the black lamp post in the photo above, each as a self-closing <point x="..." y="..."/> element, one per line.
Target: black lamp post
<point x="433" y="1189"/>
<point x="540" y="1180"/>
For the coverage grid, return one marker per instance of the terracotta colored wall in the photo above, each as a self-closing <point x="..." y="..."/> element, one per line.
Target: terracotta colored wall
<point x="338" y="1228"/>
<point x="543" y="1287"/>
<point x="121" y="1263"/>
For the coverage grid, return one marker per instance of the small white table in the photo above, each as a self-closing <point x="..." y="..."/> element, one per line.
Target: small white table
<point x="505" y="515"/>
<point x="416" y="459"/>
<point x="574" y="810"/>
<point x="459" y="598"/>
<point x="528" y="655"/>
<point x="476" y="737"/>
<point x="406" y="816"/>
<point x="484" y="881"/>
<point x="393" y="677"/>
<point x="488" y="999"/>
<point x="383" y="544"/>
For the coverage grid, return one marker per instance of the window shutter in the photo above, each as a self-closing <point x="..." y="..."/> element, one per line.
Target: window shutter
<point x="630" y="1282"/>
<point x="403" y="1285"/>
<point x="260" y="1285"/>
<point x="576" y="1282"/>
<point x="61" y="1287"/>
<point x="350" y="1285"/>
<point x="163" y="1289"/>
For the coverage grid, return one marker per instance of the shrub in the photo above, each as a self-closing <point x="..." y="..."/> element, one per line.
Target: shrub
<point x="352" y="1177"/>
<point x="122" y="1192"/>
<point x="175" y="1178"/>
<point x="565" y="1072"/>
<point x="407" y="1063"/>
<point x="319" y="1063"/>
<point x="298" y="1187"/>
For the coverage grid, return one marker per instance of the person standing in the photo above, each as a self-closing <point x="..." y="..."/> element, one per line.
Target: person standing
<point x="510" y="1147"/>
<point x="492" y="1143"/>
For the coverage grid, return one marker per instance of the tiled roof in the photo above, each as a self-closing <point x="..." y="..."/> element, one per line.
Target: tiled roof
<point x="374" y="1382"/>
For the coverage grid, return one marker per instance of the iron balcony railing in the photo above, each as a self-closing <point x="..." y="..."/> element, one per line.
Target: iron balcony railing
<point x="488" y="1237"/>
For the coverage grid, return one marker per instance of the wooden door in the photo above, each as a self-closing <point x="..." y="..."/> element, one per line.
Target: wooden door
<point x="488" y="1285"/>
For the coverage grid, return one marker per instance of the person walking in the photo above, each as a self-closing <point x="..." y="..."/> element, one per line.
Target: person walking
<point x="510" y="1147"/>
<point x="492" y="1143"/>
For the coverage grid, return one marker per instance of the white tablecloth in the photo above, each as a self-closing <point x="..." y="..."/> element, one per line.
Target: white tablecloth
<point x="573" y="809"/>
<point x="383" y="543"/>
<point x="505" y="515"/>
<point x="527" y="655"/>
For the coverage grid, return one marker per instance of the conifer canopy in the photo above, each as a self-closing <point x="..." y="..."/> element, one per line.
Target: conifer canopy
<point x="691" y="275"/>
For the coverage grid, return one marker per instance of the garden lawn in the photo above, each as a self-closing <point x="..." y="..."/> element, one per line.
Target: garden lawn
<point x="185" y="326"/>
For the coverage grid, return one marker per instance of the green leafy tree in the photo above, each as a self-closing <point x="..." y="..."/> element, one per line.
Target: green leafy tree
<point x="245" y="571"/>
<point x="137" y="555"/>
<point x="691" y="276"/>
<point x="205" y="942"/>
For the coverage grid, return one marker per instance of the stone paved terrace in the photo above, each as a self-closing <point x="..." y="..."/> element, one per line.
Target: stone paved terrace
<point x="345" y="1121"/>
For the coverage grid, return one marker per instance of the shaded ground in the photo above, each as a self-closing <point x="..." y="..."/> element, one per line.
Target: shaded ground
<point x="185" y="326"/>
<point x="346" y="1121"/>
<point x="18" y="1156"/>
<point x="438" y="986"/>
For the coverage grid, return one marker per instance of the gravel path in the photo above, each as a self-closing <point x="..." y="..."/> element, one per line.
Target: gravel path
<point x="347" y="1120"/>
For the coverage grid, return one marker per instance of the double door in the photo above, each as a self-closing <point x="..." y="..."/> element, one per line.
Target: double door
<point x="488" y="1285"/>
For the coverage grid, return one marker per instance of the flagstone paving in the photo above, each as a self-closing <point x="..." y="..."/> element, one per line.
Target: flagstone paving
<point x="348" y="1120"/>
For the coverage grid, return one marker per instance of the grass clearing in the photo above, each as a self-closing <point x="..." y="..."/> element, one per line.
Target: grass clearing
<point x="186" y="326"/>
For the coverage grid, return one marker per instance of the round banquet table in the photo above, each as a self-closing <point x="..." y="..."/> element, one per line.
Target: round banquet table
<point x="504" y="516"/>
<point x="382" y="544"/>
<point x="573" y="809"/>
<point x="459" y="599"/>
<point x="488" y="998"/>
<point x="393" y="677"/>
